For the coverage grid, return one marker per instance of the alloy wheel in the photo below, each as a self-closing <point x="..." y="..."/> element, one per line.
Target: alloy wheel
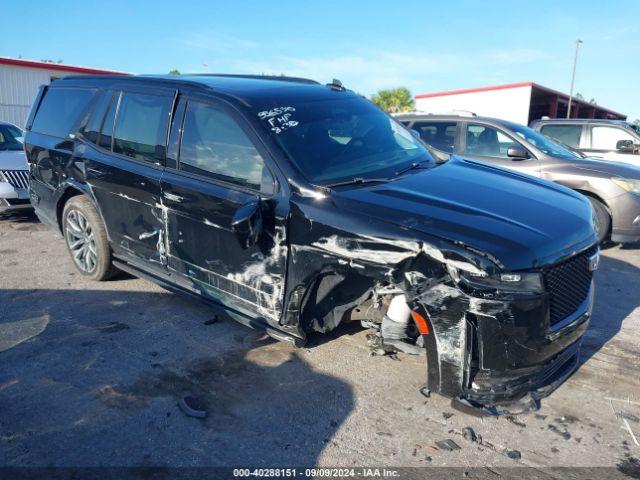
<point x="81" y="242"/>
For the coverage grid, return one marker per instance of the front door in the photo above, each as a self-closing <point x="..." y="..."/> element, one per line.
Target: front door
<point x="220" y="167"/>
<point x="603" y="142"/>
<point x="489" y="144"/>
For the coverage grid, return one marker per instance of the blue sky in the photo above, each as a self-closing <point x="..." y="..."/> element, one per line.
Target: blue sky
<point x="426" y="46"/>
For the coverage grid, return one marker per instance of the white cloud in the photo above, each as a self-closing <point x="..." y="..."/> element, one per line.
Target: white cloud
<point x="368" y="73"/>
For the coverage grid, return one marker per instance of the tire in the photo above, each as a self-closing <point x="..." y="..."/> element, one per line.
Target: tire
<point x="86" y="239"/>
<point x="603" y="220"/>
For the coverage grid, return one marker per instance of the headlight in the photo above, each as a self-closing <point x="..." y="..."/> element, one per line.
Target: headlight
<point x="500" y="282"/>
<point x="628" y="184"/>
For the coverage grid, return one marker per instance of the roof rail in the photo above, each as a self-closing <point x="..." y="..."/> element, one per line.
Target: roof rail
<point x="282" y="78"/>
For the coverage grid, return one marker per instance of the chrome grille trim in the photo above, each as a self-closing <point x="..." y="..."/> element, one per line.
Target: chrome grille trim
<point x="16" y="178"/>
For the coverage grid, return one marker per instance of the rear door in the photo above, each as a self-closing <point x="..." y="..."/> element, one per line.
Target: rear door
<point x="571" y="135"/>
<point x="490" y="144"/>
<point x="123" y="169"/>
<point x="220" y="167"/>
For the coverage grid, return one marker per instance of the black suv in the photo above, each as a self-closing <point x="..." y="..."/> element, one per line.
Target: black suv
<point x="297" y="206"/>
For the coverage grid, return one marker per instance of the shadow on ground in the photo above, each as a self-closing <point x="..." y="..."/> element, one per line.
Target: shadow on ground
<point x="93" y="378"/>
<point x="617" y="280"/>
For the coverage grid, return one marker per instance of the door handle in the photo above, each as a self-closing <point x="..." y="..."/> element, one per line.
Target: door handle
<point x="173" y="197"/>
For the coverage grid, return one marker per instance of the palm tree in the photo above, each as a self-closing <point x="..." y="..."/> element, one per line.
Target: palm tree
<point x="394" y="100"/>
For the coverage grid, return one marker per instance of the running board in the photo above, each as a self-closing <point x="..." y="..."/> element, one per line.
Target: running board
<point x="254" y="323"/>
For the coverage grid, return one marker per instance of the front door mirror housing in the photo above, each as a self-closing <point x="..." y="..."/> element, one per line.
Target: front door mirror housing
<point x="247" y="223"/>
<point x="518" y="153"/>
<point x="625" y="146"/>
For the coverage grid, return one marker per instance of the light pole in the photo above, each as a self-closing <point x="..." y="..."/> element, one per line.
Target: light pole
<point x="573" y="77"/>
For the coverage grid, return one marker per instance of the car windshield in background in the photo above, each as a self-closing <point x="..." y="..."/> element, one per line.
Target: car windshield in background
<point x="10" y="138"/>
<point x="338" y="140"/>
<point x="542" y="143"/>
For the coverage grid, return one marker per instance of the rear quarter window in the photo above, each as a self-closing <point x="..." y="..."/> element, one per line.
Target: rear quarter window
<point x="567" y="134"/>
<point x="60" y="110"/>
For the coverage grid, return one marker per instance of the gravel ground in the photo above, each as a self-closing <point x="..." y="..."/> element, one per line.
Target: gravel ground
<point x="91" y="373"/>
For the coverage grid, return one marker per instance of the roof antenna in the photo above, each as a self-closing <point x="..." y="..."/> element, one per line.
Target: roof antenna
<point x="336" y="84"/>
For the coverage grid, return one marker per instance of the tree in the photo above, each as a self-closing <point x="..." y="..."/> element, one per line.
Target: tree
<point x="579" y="96"/>
<point x="637" y="122"/>
<point x="394" y="100"/>
<point x="175" y="71"/>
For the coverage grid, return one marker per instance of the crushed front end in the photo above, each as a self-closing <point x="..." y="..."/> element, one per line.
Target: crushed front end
<point x="496" y="344"/>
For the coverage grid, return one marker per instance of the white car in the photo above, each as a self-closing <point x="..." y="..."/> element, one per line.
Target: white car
<point x="14" y="171"/>
<point x="613" y="140"/>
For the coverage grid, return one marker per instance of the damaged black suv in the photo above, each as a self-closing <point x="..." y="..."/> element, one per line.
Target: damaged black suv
<point x="298" y="206"/>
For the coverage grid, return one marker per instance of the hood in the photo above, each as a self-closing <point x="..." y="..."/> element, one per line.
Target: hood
<point x="521" y="221"/>
<point x="13" y="160"/>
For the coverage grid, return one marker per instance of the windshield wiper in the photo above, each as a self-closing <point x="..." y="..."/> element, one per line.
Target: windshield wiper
<point x="357" y="181"/>
<point x="413" y="166"/>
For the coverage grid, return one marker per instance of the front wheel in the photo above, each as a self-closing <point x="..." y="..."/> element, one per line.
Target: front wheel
<point x="86" y="239"/>
<point x="603" y="219"/>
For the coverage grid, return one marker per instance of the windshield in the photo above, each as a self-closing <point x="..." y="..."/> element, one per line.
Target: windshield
<point x="636" y="127"/>
<point x="10" y="138"/>
<point x="336" y="140"/>
<point x="542" y="143"/>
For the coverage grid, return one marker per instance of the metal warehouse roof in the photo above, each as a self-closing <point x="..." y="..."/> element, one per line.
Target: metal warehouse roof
<point x="19" y="62"/>
<point x="536" y="88"/>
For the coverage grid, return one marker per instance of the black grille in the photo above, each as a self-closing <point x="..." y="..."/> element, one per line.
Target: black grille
<point x="568" y="285"/>
<point x="17" y="178"/>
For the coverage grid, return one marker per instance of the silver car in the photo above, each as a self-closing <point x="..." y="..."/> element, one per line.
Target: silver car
<point x="14" y="174"/>
<point x="612" y="188"/>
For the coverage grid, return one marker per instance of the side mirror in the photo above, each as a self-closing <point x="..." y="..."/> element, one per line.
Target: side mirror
<point x="626" y="146"/>
<point x="247" y="223"/>
<point x="518" y="153"/>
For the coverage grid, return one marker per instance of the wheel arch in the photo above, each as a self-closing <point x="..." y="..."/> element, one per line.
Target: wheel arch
<point x="595" y="196"/>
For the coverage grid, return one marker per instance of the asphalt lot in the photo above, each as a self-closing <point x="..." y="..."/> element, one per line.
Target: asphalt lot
<point x="91" y="373"/>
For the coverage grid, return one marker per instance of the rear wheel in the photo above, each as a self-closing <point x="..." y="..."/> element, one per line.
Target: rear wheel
<point x="603" y="220"/>
<point x="86" y="239"/>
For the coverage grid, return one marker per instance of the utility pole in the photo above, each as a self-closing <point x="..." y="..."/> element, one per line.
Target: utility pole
<point x="573" y="77"/>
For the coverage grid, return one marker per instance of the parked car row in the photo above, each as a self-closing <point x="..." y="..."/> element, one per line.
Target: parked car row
<point x="297" y="206"/>
<point x="14" y="179"/>
<point x="613" y="188"/>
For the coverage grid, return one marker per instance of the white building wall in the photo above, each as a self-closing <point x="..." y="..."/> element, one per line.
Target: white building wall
<point x="507" y="104"/>
<point x="18" y="89"/>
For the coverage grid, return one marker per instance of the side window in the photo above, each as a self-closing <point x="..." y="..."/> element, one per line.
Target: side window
<point x="60" y="111"/>
<point x="213" y="144"/>
<point x="487" y="141"/>
<point x="605" y="138"/>
<point x="141" y="127"/>
<point x="440" y="135"/>
<point x="106" y="132"/>
<point x="91" y="131"/>
<point x="567" y="134"/>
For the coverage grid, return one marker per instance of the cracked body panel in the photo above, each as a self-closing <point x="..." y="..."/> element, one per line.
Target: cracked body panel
<point x="450" y="261"/>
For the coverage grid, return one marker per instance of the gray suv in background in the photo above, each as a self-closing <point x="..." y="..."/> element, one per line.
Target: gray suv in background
<point x="613" y="140"/>
<point x="612" y="188"/>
